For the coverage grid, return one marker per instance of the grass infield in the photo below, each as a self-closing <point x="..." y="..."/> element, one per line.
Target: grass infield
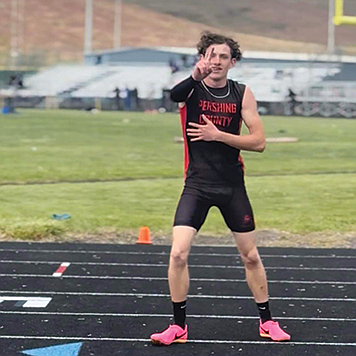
<point x="118" y="171"/>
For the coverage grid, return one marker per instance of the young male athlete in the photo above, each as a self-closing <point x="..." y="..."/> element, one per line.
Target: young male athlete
<point x="212" y="113"/>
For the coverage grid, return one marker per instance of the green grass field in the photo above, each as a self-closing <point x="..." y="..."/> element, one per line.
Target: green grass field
<point x="119" y="171"/>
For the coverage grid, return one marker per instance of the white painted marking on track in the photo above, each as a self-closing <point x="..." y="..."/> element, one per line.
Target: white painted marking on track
<point x="30" y="302"/>
<point x="167" y="253"/>
<point x="123" y="315"/>
<point x="289" y="343"/>
<point x="79" y="263"/>
<point x="166" y="279"/>
<point x="143" y="295"/>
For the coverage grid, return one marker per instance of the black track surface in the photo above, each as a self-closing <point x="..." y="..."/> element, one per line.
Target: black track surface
<point x="112" y="297"/>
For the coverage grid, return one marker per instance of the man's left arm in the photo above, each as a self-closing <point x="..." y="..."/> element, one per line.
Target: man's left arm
<point x="253" y="141"/>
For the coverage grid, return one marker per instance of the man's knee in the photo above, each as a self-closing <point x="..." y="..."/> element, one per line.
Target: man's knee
<point x="178" y="258"/>
<point x="182" y="239"/>
<point x="251" y="259"/>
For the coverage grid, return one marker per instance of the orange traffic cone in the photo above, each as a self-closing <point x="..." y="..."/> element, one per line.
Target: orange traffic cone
<point x="144" y="236"/>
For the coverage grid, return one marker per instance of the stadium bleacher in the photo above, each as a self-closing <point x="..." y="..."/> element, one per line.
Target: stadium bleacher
<point x="268" y="84"/>
<point x="269" y="79"/>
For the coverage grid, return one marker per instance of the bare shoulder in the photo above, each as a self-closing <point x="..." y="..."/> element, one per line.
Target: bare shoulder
<point x="248" y="101"/>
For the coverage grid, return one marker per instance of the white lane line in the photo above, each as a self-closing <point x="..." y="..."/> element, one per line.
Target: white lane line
<point x="167" y="253"/>
<point x="30" y="302"/>
<point x="123" y="315"/>
<point x="112" y="339"/>
<point x="200" y="296"/>
<point x="79" y="263"/>
<point x="61" y="269"/>
<point x="14" y="275"/>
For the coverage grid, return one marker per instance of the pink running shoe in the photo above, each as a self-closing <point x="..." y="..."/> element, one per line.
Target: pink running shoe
<point x="272" y="330"/>
<point x="174" y="333"/>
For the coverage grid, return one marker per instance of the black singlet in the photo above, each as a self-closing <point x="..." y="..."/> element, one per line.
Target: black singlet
<point x="213" y="163"/>
<point x="214" y="170"/>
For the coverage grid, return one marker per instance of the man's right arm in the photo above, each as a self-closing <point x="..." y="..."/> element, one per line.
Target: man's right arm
<point x="182" y="90"/>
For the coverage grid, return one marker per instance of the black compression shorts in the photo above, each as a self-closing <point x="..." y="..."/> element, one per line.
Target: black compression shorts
<point x="232" y="202"/>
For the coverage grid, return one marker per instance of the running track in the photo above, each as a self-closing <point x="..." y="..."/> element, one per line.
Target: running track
<point x="111" y="298"/>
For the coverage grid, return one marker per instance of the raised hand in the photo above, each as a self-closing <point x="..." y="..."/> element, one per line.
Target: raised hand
<point x="204" y="67"/>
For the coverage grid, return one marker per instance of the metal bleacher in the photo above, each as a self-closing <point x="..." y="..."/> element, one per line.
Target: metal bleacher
<point x="147" y="79"/>
<point x="59" y="79"/>
<point x="267" y="83"/>
<point x="313" y="80"/>
<point x="83" y="81"/>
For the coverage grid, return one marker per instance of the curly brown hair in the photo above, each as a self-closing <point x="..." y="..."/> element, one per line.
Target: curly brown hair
<point x="208" y="38"/>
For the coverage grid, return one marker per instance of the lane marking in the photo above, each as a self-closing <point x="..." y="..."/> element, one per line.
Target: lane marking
<point x="166" y="279"/>
<point x="289" y="343"/>
<point x="61" y="269"/>
<point x="167" y="253"/>
<point x="79" y="263"/>
<point x="123" y="315"/>
<point x="143" y="295"/>
<point x="56" y="350"/>
<point x="30" y="302"/>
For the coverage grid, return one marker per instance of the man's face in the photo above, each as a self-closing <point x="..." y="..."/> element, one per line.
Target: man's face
<point x="221" y="61"/>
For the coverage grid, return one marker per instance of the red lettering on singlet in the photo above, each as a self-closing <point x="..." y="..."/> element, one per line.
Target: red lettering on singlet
<point x="220" y="120"/>
<point x="227" y="108"/>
